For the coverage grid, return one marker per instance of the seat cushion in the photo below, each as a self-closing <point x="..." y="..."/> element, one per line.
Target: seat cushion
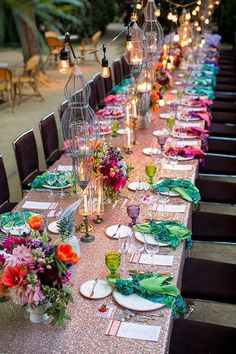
<point x="54" y="157"/>
<point x="224" y="117"/>
<point x="194" y="337"/>
<point x="7" y="207"/>
<point x="213" y="227"/>
<point x="223" y="130"/>
<point x="209" y="280"/>
<point x="216" y="191"/>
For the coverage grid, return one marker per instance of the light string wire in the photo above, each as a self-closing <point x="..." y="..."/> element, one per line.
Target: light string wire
<point x="67" y="41"/>
<point x="181" y="5"/>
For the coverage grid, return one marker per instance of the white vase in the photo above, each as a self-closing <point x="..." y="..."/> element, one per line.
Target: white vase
<point x="73" y="241"/>
<point x="38" y="314"/>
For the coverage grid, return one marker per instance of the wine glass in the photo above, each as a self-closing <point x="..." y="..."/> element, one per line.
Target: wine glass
<point x="150" y="170"/>
<point x="163" y="200"/>
<point x="112" y="261"/>
<point x="124" y="247"/>
<point x="151" y="250"/>
<point x="170" y="123"/>
<point x="51" y="179"/>
<point x="62" y="178"/>
<point x="133" y="212"/>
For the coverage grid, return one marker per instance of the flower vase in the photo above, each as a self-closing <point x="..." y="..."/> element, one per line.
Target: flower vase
<point x="38" y="314"/>
<point x="73" y="241"/>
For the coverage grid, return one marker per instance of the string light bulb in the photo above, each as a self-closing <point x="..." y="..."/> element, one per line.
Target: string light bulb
<point x="199" y="2"/>
<point x="63" y="64"/>
<point x="217" y="2"/>
<point x="197" y="8"/>
<point x="139" y="4"/>
<point x="129" y="43"/>
<point x="105" y="71"/>
<point x="176" y="37"/>
<point x="207" y="21"/>
<point x="158" y="10"/>
<point x="134" y="17"/>
<point x="199" y="29"/>
<point x="188" y="16"/>
<point x="169" y="16"/>
<point x="194" y="12"/>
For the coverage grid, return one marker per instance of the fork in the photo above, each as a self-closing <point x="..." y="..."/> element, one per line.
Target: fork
<point x="92" y="291"/>
<point x="114" y="235"/>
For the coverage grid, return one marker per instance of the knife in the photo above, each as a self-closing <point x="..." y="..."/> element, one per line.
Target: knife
<point x="92" y="291"/>
<point x="116" y="230"/>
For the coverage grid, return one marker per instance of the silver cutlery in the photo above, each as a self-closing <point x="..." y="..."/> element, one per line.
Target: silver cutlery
<point x="118" y="227"/>
<point x="93" y="288"/>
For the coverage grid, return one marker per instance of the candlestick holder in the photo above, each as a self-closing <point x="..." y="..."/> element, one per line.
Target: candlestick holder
<point x="87" y="237"/>
<point x="86" y="209"/>
<point x="98" y="200"/>
<point x="135" y="130"/>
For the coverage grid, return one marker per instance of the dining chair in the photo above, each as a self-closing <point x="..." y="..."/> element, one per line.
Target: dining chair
<point x="93" y="96"/>
<point x="108" y="83"/>
<point x="26" y="154"/>
<point x="218" y="165"/>
<point x="5" y="204"/>
<point x="224" y="117"/>
<point x="220" y="145"/>
<point x="49" y="135"/>
<point x="62" y="107"/>
<point x="223" y="106"/>
<point x="54" y="46"/>
<point x="6" y="86"/>
<point x="195" y="337"/>
<point x="100" y="88"/>
<point x="117" y="71"/>
<point x="209" y="280"/>
<point x="125" y="67"/>
<point x="222" y="130"/>
<point x="28" y="76"/>
<point x="90" y="45"/>
<point x="213" y="191"/>
<point x="213" y="227"/>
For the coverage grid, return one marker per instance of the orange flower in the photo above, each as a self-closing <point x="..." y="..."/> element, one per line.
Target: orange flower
<point x="65" y="254"/>
<point x="157" y="85"/>
<point x="35" y="222"/>
<point x="155" y="108"/>
<point x="159" y="66"/>
<point x="13" y="276"/>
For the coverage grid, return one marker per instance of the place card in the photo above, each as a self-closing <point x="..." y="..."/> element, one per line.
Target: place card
<point x="133" y="330"/>
<point x="191" y="124"/>
<point x="188" y="143"/>
<point x="39" y="205"/>
<point x="161" y="260"/>
<point x="106" y="312"/>
<point x="65" y="168"/>
<point x="177" y="167"/>
<point x="171" y="208"/>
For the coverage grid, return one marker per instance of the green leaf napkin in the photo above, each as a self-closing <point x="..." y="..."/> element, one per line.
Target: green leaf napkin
<point x="186" y="189"/>
<point x="153" y="287"/>
<point x="41" y="180"/>
<point x="171" y="232"/>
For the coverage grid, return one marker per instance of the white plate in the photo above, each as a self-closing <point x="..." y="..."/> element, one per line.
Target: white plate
<point x="122" y="232"/>
<point x="164" y="115"/>
<point x="135" y="302"/>
<point x="180" y="75"/>
<point x="138" y="186"/>
<point x="105" y="133"/>
<point x="180" y="158"/>
<point x="182" y="118"/>
<point x="52" y="227"/>
<point x="150" y="240"/>
<point x="174" y="92"/>
<point x="175" y="135"/>
<point x="157" y="132"/>
<point x="102" y="289"/>
<point x="169" y="194"/>
<point x="150" y="151"/>
<point x="121" y="131"/>
<point x="54" y="187"/>
<point x="178" y="83"/>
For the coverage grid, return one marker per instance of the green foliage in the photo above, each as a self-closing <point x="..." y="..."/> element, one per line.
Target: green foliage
<point x="65" y="226"/>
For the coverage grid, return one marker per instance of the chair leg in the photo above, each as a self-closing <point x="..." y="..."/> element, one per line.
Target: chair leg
<point x="36" y="90"/>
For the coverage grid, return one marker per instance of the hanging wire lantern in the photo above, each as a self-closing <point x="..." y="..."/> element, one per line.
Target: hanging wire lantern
<point x="77" y="91"/>
<point x="153" y="32"/>
<point x="135" y="53"/>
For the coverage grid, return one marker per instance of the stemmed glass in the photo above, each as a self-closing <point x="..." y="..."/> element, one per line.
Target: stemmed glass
<point x="163" y="200"/>
<point x="51" y="179"/>
<point x="62" y="178"/>
<point x="151" y="249"/>
<point x="150" y="170"/>
<point x="133" y="212"/>
<point x="112" y="261"/>
<point x="124" y="247"/>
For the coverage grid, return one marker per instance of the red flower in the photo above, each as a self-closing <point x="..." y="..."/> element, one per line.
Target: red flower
<point x="13" y="276"/>
<point x="65" y="254"/>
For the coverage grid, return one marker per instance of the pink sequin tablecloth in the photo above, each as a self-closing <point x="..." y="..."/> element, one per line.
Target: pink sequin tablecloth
<point x="85" y="333"/>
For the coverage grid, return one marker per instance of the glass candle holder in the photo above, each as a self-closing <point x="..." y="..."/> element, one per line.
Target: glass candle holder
<point x="98" y="200"/>
<point x="86" y="209"/>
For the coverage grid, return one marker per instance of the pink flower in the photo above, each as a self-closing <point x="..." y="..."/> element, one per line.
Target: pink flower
<point x="34" y="295"/>
<point x="20" y="254"/>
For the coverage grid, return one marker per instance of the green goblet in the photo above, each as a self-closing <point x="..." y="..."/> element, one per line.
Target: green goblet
<point x="180" y="94"/>
<point x="150" y="170"/>
<point x="112" y="260"/>
<point x="170" y="123"/>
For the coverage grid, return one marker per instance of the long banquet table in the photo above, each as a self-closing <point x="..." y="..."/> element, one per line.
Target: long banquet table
<point x="85" y="333"/>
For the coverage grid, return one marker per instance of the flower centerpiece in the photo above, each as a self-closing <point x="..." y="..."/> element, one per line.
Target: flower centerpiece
<point x="34" y="272"/>
<point x="109" y="163"/>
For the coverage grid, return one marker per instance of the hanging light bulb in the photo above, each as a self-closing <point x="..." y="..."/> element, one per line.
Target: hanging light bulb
<point x="199" y="29"/>
<point x="207" y="21"/>
<point x="176" y="37"/>
<point x="129" y="44"/>
<point x="134" y="17"/>
<point x="210" y="6"/>
<point x="139" y="4"/>
<point x="105" y="72"/>
<point x="197" y="8"/>
<point x="188" y="16"/>
<point x="199" y="2"/>
<point x="169" y="16"/>
<point x="158" y="10"/>
<point x="194" y="12"/>
<point x="217" y="2"/>
<point x="209" y="13"/>
<point x="63" y="64"/>
<point x="196" y="23"/>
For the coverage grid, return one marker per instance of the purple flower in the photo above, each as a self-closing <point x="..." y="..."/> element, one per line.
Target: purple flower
<point x="12" y="242"/>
